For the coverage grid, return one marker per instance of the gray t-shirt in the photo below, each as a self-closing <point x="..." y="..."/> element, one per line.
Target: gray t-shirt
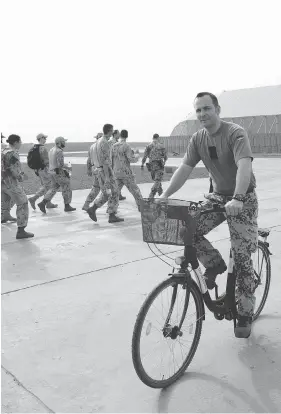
<point x="232" y="143"/>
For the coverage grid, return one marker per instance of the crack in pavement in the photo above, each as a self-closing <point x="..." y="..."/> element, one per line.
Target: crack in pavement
<point x="20" y="384"/>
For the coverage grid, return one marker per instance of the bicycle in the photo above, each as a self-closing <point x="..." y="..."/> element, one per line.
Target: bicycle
<point x="171" y="329"/>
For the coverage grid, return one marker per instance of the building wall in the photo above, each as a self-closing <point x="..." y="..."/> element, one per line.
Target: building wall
<point x="260" y="143"/>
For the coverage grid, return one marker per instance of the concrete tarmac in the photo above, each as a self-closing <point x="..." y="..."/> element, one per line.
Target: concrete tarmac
<point x="70" y="297"/>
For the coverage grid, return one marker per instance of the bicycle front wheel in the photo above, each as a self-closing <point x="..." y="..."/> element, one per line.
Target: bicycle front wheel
<point x="161" y="350"/>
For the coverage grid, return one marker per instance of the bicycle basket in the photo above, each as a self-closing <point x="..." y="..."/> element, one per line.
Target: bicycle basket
<point x="172" y="222"/>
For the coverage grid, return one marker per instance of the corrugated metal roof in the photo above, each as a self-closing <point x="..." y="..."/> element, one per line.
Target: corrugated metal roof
<point x="265" y="100"/>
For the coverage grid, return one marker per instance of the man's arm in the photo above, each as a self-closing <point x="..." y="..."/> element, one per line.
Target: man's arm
<point x="15" y="167"/>
<point x="189" y="161"/>
<point x="60" y="159"/>
<point x="243" y="175"/>
<point x="105" y="158"/>
<point x="89" y="165"/>
<point x="44" y="155"/>
<point x="178" y="179"/>
<point x="165" y="155"/>
<point x="130" y="154"/>
<point x="145" y="155"/>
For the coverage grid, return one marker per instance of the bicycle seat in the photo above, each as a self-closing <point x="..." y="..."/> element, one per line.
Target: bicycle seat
<point x="264" y="232"/>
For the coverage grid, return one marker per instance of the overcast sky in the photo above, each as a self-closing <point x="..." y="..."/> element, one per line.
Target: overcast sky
<point x="68" y="67"/>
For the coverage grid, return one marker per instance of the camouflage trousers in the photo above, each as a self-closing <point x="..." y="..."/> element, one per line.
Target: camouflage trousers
<point x="12" y="192"/>
<point x="130" y="183"/>
<point x="94" y="191"/>
<point x="244" y="239"/>
<point x="46" y="183"/>
<point x="60" y="181"/>
<point x="157" y="177"/>
<point x="113" y="198"/>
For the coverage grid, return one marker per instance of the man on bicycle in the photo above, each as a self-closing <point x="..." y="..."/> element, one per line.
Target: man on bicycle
<point x="225" y="150"/>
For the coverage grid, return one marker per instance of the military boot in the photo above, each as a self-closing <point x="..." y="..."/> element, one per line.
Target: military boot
<point x="68" y="208"/>
<point x="42" y="206"/>
<point x="32" y="202"/>
<point x="114" y="219"/>
<point x="22" y="234"/>
<point x="85" y="207"/>
<point x="8" y="217"/>
<point x="51" y="205"/>
<point x="92" y="212"/>
<point x="121" y="198"/>
<point x="243" y="327"/>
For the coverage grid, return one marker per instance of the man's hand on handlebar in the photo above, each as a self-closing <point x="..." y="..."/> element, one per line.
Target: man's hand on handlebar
<point x="233" y="207"/>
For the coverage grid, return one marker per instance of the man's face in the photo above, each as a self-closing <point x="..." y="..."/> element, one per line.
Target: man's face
<point x="117" y="136"/>
<point x="110" y="133"/>
<point x="207" y="113"/>
<point x="17" y="145"/>
<point x="155" y="141"/>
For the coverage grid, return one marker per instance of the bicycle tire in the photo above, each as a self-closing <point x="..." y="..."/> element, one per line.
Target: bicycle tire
<point x="198" y="300"/>
<point x="265" y="253"/>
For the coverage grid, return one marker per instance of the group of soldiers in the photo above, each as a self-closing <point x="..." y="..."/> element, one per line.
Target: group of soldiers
<point x="108" y="164"/>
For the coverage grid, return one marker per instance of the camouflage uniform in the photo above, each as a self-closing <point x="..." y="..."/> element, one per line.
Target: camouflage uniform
<point x="12" y="191"/>
<point x="43" y="174"/>
<point x="122" y="156"/>
<point x="244" y="238"/>
<point x="60" y="177"/>
<point x="157" y="155"/>
<point x="92" y="172"/>
<point x="104" y="155"/>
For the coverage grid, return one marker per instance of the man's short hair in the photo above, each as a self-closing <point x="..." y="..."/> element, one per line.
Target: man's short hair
<point x="12" y="139"/>
<point x="124" y="133"/>
<point x="155" y="136"/>
<point x="211" y="95"/>
<point x="107" y="128"/>
<point x="115" y="132"/>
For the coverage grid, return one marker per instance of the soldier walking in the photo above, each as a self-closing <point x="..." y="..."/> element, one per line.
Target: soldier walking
<point x="113" y="140"/>
<point x="157" y="155"/>
<point x="61" y="178"/>
<point x="12" y="191"/>
<point x="92" y="172"/>
<point x="40" y="166"/>
<point x="109" y="190"/>
<point x="122" y="156"/>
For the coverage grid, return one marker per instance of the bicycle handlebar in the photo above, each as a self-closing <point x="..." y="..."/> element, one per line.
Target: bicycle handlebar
<point x="215" y="209"/>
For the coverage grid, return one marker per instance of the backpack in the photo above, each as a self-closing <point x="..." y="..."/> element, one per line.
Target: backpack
<point x="34" y="158"/>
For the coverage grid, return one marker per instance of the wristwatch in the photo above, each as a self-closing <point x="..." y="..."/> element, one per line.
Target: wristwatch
<point x="239" y="197"/>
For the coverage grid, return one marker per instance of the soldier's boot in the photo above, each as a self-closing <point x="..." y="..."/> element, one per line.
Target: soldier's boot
<point x="121" y="197"/>
<point x="212" y="273"/>
<point x="68" y="208"/>
<point x="92" y="212"/>
<point x="51" y="205"/>
<point x="22" y="234"/>
<point x="42" y="206"/>
<point x="243" y="327"/>
<point x="8" y="217"/>
<point x="114" y="219"/>
<point x="86" y="207"/>
<point x="32" y="202"/>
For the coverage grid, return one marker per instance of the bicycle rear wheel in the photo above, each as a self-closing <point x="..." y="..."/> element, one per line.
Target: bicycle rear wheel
<point x="161" y="363"/>
<point x="262" y="268"/>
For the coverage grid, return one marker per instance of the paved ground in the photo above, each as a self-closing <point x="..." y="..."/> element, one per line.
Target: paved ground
<point x="70" y="298"/>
